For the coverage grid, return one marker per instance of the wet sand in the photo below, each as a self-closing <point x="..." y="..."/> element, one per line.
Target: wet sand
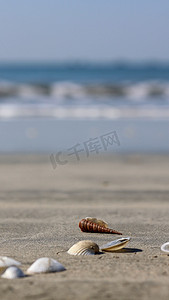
<point x="39" y="213"/>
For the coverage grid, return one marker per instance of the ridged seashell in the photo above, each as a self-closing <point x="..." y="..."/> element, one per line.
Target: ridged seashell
<point x="84" y="248"/>
<point x="45" y="265"/>
<point x="12" y="273"/>
<point x="95" y="225"/>
<point x="165" y="247"/>
<point x="115" y="245"/>
<point x="97" y="221"/>
<point x="6" y="262"/>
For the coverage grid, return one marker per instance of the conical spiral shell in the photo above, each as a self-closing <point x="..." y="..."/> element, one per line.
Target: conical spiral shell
<point x="94" y="225"/>
<point x="84" y="248"/>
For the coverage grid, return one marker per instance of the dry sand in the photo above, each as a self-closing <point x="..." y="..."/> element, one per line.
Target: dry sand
<point x="39" y="213"/>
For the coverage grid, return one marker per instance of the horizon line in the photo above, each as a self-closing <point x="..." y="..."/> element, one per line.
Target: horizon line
<point x="85" y="62"/>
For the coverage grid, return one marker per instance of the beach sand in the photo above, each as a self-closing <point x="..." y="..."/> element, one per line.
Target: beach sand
<point x="40" y="209"/>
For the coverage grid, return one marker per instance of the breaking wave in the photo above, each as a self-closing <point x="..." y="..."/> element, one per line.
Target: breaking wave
<point x="70" y="100"/>
<point x="65" y="90"/>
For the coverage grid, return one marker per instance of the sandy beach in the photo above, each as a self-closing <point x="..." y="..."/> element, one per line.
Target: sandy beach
<point x="40" y="209"/>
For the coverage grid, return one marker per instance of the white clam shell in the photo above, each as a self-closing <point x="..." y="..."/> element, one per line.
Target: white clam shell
<point x="115" y="245"/>
<point x="165" y="247"/>
<point x="85" y="247"/>
<point x="45" y="265"/>
<point x="6" y="262"/>
<point x="12" y="273"/>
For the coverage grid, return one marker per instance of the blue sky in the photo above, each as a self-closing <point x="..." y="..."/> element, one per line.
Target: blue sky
<point x="54" y="30"/>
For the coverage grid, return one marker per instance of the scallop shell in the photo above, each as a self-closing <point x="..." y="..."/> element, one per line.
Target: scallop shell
<point x="165" y="247"/>
<point x="12" y="273"/>
<point x="84" y="248"/>
<point x="45" y="265"/>
<point x="6" y="262"/>
<point x="95" y="225"/>
<point x="115" y="245"/>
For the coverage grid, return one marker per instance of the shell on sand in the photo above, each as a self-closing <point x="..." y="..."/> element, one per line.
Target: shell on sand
<point x="12" y="273"/>
<point x="115" y="245"/>
<point x="45" y="265"/>
<point x="97" y="221"/>
<point x="96" y="226"/>
<point x="6" y="262"/>
<point x="85" y="247"/>
<point x="165" y="247"/>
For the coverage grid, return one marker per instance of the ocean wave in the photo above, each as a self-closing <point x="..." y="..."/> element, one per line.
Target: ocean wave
<point x="71" y="100"/>
<point x="80" y="113"/>
<point x="72" y="90"/>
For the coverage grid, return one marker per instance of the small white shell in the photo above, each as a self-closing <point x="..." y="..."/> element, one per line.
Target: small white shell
<point x="165" y="247"/>
<point x="84" y="248"/>
<point x="12" y="273"/>
<point x="6" y="262"/>
<point x="45" y="265"/>
<point x="115" y="245"/>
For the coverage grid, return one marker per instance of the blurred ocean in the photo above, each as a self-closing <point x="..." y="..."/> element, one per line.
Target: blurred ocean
<point x="84" y="91"/>
<point x="37" y="99"/>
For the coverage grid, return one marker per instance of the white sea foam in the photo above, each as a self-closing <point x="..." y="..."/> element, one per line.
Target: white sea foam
<point x="67" y="90"/>
<point x="68" y="100"/>
<point x="71" y="90"/>
<point x="92" y="112"/>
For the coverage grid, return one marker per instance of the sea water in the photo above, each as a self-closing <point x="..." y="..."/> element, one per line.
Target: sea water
<point x="52" y="106"/>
